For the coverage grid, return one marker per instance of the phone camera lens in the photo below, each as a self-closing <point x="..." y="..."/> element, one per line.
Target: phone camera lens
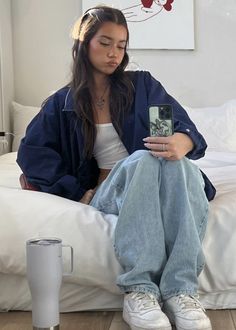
<point x="162" y="112"/>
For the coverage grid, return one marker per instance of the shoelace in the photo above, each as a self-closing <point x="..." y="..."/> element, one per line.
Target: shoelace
<point x="190" y="302"/>
<point x="147" y="300"/>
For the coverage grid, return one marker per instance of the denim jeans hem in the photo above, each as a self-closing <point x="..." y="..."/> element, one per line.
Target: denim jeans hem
<point x="139" y="288"/>
<point x="178" y="292"/>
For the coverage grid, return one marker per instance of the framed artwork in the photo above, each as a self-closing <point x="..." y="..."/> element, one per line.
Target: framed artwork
<point x="155" y="24"/>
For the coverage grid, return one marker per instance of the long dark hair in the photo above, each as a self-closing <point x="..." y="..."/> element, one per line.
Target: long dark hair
<point x="121" y="88"/>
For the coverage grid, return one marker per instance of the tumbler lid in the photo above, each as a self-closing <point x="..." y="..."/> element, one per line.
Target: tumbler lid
<point x="44" y="241"/>
<point x="57" y="327"/>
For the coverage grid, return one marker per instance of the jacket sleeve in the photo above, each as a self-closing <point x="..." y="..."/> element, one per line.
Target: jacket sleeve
<point x="40" y="154"/>
<point x="182" y="122"/>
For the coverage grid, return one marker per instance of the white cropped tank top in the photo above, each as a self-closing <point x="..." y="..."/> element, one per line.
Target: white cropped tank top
<point x="108" y="147"/>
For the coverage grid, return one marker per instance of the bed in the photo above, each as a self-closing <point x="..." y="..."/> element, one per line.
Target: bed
<point x="28" y="214"/>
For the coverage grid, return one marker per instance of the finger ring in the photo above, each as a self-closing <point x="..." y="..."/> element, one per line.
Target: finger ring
<point x="163" y="147"/>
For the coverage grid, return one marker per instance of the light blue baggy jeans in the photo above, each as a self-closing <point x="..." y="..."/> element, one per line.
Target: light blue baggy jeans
<point x="162" y="215"/>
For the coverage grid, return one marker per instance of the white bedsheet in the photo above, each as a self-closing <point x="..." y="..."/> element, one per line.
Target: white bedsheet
<point x="27" y="214"/>
<point x="218" y="280"/>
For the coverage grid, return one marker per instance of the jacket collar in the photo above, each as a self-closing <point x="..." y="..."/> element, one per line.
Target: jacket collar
<point x="69" y="102"/>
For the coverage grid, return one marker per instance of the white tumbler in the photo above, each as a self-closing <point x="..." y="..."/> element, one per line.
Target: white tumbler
<point x="44" y="274"/>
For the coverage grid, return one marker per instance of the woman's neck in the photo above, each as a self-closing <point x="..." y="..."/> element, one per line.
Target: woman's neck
<point x="100" y="98"/>
<point x="100" y="82"/>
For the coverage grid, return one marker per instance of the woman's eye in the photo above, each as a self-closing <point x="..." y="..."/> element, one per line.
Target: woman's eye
<point x="104" y="44"/>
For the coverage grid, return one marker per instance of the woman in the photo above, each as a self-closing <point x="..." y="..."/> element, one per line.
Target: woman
<point x="98" y="125"/>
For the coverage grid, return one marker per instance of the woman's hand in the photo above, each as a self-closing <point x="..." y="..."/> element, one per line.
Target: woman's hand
<point x="172" y="147"/>
<point x="86" y="199"/>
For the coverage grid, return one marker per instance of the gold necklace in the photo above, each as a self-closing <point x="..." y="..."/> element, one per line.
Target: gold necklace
<point x="100" y="101"/>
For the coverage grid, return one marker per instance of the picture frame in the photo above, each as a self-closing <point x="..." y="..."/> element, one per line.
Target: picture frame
<point x="156" y="24"/>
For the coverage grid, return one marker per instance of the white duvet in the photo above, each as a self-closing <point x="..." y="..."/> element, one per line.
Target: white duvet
<point x="27" y="214"/>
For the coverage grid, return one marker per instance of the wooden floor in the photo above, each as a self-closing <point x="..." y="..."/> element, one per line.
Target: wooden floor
<point x="221" y="320"/>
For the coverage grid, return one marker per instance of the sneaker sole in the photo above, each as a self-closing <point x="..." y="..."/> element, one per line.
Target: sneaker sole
<point x="172" y="322"/>
<point x="133" y="327"/>
<point x="180" y="328"/>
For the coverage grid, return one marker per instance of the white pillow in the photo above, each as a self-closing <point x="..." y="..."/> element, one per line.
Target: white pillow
<point x="22" y="115"/>
<point x="217" y="125"/>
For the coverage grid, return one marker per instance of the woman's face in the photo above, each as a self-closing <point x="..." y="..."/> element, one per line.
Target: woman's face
<point x="107" y="48"/>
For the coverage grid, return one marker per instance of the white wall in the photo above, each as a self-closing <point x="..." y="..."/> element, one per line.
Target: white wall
<point x="42" y="46"/>
<point x="6" y="64"/>
<point x="205" y="76"/>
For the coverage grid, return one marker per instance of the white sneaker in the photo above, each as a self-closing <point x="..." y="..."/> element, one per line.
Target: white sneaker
<point x="187" y="313"/>
<point x="142" y="312"/>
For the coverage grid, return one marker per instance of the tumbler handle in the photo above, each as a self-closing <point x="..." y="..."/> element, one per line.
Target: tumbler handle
<point x="71" y="259"/>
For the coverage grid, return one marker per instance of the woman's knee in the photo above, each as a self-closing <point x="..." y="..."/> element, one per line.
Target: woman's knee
<point x="137" y="155"/>
<point x="140" y="160"/>
<point x="143" y="158"/>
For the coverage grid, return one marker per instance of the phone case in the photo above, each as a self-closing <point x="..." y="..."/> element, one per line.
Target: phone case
<point x="161" y="120"/>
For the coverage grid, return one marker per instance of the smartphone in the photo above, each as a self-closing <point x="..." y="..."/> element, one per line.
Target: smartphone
<point x="161" y="120"/>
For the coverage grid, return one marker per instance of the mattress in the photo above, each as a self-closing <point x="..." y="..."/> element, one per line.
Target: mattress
<point x="28" y="214"/>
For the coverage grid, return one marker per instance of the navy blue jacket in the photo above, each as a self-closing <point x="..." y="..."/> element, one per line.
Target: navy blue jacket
<point x="51" y="153"/>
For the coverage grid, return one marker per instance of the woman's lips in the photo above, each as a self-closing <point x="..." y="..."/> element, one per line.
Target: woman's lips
<point x="112" y="64"/>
